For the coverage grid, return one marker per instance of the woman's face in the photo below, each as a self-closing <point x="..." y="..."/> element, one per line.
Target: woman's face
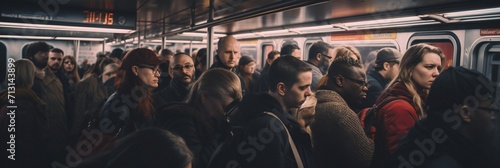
<point x="68" y="65"/>
<point x="249" y="68"/>
<point x="426" y="71"/>
<point x="148" y="75"/>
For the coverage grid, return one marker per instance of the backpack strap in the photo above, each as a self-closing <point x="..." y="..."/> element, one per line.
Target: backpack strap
<point x="292" y="144"/>
<point x="371" y="114"/>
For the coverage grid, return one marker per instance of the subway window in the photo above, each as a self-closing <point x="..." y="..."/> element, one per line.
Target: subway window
<point x="266" y="48"/>
<point x="447" y="41"/>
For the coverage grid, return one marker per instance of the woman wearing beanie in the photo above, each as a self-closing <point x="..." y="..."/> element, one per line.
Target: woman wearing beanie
<point x="419" y="67"/>
<point x="130" y="108"/>
<point x="249" y="77"/>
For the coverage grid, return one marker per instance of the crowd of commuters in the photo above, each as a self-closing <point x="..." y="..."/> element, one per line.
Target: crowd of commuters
<point x="145" y="108"/>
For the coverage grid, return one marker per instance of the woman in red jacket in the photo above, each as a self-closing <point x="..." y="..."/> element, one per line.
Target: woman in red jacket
<point x="420" y="65"/>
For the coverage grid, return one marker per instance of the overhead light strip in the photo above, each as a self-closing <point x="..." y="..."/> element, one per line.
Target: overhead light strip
<point x="63" y="28"/>
<point x="472" y="12"/>
<point x="52" y="38"/>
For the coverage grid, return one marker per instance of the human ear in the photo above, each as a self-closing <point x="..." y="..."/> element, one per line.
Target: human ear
<point x="386" y="66"/>
<point x="135" y="70"/>
<point x="318" y="56"/>
<point x="339" y="80"/>
<point x="465" y="113"/>
<point x="280" y="88"/>
<point x="171" y="72"/>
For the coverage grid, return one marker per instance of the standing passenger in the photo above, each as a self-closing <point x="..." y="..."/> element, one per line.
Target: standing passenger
<point x="201" y="121"/>
<point x="116" y="55"/>
<point x="339" y="140"/>
<point x="246" y="72"/>
<point x="292" y="50"/>
<point x="228" y="53"/>
<point x="386" y="69"/>
<point x="130" y="107"/>
<point x="70" y="73"/>
<point x="49" y="88"/>
<point x="201" y="62"/>
<point x="182" y="72"/>
<point x="30" y="128"/>
<point x="165" y="57"/>
<point x="265" y="134"/>
<point x="420" y="66"/>
<point x="263" y="83"/>
<point x="320" y="57"/>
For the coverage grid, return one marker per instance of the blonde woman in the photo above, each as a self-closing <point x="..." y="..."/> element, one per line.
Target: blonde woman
<point x="420" y="66"/>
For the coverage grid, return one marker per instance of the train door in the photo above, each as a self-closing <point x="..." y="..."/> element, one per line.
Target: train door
<point x="3" y="66"/>
<point x="266" y="48"/>
<point x="447" y="41"/>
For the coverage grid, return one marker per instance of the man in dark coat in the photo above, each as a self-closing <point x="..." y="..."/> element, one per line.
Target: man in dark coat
<point x="386" y="69"/>
<point x="263" y="83"/>
<point x="321" y="55"/>
<point x="265" y="134"/>
<point x="182" y="72"/>
<point x="459" y="127"/>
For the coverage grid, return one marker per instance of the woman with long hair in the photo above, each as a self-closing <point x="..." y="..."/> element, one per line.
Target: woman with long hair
<point x="130" y="108"/>
<point x="419" y="67"/>
<point x="28" y="136"/>
<point x="200" y="121"/>
<point x="248" y="75"/>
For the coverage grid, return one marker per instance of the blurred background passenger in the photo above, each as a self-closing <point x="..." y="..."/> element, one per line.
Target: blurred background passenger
<point x="116" y="55"/>
<point x="108" y="78"/>
<point x="201" y="121"/>
<point x="263" y="83"/>
<point x="420" y="66"/>
<point x="147" y="148"/>
<point x="369" y="62"/>
<point x="386" y="69"/>
<point x="200" y="63"/>
<point x="164" y="80"/>
<point x="292" y="50"/>
<point x="338" y="138"/>
<point x="30" y="130"/>
<point x="130" y="108"/>
<point x="346" y="50"/>
<point x="319" y="59"/>
<point x="459" y="127"/>
<point x="70" y="72"/>
<point x="247" y="74"/>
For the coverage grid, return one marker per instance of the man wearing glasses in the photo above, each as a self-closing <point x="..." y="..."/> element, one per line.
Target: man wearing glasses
<point x="386" y="69"/>
<point x="320" y="57"/>
<point x="339" y="140"/>
<point x="181" y="71"/>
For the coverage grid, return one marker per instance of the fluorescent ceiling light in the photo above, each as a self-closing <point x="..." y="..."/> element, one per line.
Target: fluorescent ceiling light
<point x="51" y="38"/>
<point x="245" y="35"/>
<point x="27" y="37"/>
<point x="312" y="28"/>
<point x="196" y="34"/>
<point x="62" y="28"/>
<point x="80" y="38"/>
<point x="382" y="21"/>
<point x="177" y="41"/>
<point x="472" y="12"/>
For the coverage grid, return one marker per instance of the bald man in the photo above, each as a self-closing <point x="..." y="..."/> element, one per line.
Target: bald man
<point x="181" y="71"/>
<point x="228" y="53"/>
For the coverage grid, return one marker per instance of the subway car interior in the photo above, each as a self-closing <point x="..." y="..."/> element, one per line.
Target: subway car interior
<point x="467" y="31"/>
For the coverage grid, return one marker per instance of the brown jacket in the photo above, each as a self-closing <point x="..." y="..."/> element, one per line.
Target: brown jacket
<point x="338" y="138"/>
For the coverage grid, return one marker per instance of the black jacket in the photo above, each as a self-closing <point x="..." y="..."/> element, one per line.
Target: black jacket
<point x="441" y="146"/>
<point x="199" y="131"/>
<point x="259" y="139"/>
<point x="119" y="108"/>
<point x="263" y="82"/>
<point x="175" y="92"/>
<point x="377" y="85"/>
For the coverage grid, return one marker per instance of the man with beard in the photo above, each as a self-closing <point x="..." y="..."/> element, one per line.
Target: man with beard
<point x="320" y="57"/>
<point x="182" y="71"/>
<point x="48" y="87"/>
<point x="339" y="140"/>
<point x="54" y="64"/>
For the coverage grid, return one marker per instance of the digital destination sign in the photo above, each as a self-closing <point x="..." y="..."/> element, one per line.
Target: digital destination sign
<point x="68" y="16"/>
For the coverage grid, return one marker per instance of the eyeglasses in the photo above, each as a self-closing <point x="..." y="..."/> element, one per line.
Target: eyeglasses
<point x="180" y="67"/>
<point x="327" y="56"/>
<point x="359" y="82"/>
<point x="493" y="112"/>
<point x="155" y="69"/>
